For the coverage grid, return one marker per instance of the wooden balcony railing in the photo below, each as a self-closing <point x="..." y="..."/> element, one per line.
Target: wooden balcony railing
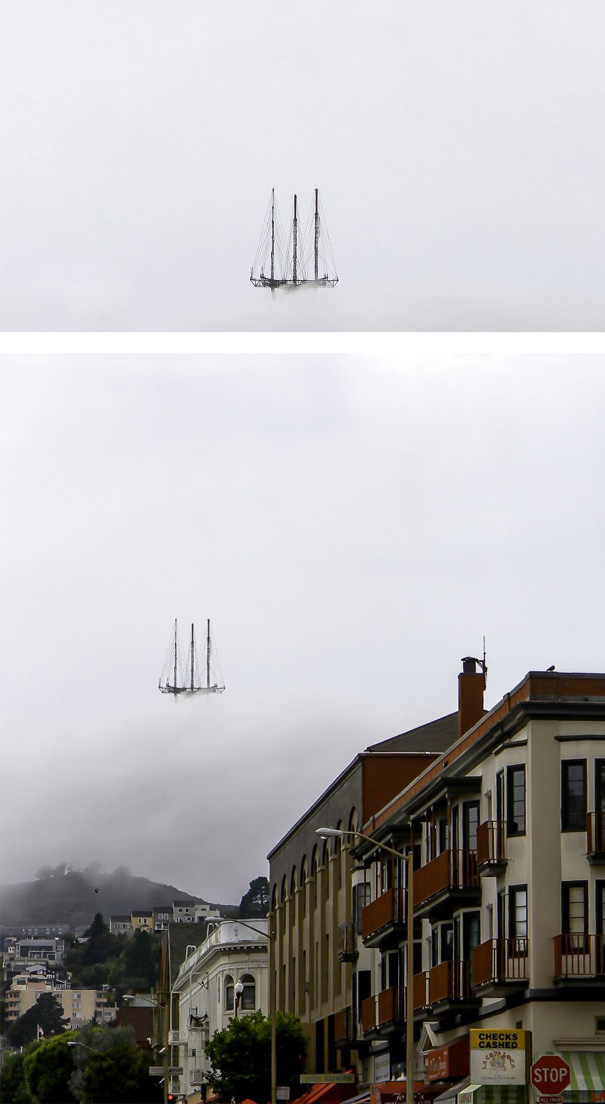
<point x="343" y="1026"/>
<point x="391" y="1003"/>
<point x="449" y="981"/>
<point x="368" y="1014"/>
<point x="451" y="870"/>
<point x="491" y="843"/>
<point x="385" y="910"/>
<point x="347" y="950"/>
<point x="595" y="829"/>
<point x="421" y="990"/>
<point x="579" y="956"/>
<point x="500" y="960"/>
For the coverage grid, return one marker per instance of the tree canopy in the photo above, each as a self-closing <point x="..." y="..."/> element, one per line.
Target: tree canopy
<point x="48" y="1069"/>
<point x="240" y="1056"/>
<point x="46" y="1014"/>
<point x="255" y="902"/>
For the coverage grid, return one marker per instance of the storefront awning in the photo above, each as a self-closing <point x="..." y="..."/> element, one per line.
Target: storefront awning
<point x="587" y="1080"/>
<point x="465" y="1093"/>
<point x="326" y="1093"/>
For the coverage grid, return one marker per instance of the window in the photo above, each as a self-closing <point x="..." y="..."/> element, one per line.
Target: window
<point x="228" y="993"/>
<point x="515" y="801"/>
<point x="599" y="785"/>
<point x="248" y="1002"/>
<point x="517" y="912"/>
<point x="574" y="914"/>
<point x="361" y="898"/>
<point x="470" y="823"/>
<point x="573" y="795"/>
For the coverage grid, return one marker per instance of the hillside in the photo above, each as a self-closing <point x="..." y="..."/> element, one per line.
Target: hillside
<point x="73" y="898"/>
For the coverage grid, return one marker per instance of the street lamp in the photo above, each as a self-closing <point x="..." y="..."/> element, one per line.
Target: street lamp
<point x="86" y="1047"/>
<point x="270" y="937"/>
<point x="339" y="833"/>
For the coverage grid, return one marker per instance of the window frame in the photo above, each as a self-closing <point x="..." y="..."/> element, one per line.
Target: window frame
<point x="512" y="822"/>
<point x="567" y="824"/>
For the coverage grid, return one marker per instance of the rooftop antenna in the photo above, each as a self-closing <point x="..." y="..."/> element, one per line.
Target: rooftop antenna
<point x="288" y="266"/>
<point x="191" y="684"/>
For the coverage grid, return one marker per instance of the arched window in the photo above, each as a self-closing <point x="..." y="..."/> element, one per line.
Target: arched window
<point x="228" y="993"/>
<point x="248" y="1002"/>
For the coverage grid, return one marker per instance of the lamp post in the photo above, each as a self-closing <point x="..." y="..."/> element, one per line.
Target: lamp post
<point x="270" y="937"/>
<point x="338" y="833"/>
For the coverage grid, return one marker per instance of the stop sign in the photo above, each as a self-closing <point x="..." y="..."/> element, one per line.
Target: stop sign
<point x="550" y="1074"/>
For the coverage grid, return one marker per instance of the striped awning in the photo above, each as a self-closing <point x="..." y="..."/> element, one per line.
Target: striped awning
<point x="587" y="1079"/>
<point x="465" y="1093"/>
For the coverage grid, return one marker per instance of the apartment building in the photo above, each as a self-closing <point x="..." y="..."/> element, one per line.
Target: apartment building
<point x="507" y="833"/>
<point x="323" y="971"/>
<point x="224" y="976"/>
<point x="79" y="1006"/>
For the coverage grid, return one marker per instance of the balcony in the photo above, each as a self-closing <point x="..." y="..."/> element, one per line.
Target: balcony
<point x="391" y="1005"/>
<point x="368" y="1015"/>
<point x="491" y="850"/>
<point x="579" y="959"/>
<point x="344" y="1034"/>
<point x="383" y="917"/>
<point x="595" y="831"/>
<point x="447" y="881"/>
<point x="500" y="966"/>
<point x="347" y="943"/>
<point x="444" y="989"/>
<point x="421" y="991"/>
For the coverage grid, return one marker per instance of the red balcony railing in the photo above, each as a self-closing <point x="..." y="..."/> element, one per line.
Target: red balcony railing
<point x="449" y="981"/>
<point x="391" y="1003"/>
<point x="491" y="843"/>
<point x="368" y="1014"/>
<point x="500" y="961"/>
<point x="385" y="910"/>
<point x="595" y="829"/>
<point x="579" y="956"/>
<point x="451" y="870"/>
<point x="421" y="990"/>
<point x="343" y="1026"/>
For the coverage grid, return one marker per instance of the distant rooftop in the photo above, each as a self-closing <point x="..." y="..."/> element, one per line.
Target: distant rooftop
<point x="436" y="735"/>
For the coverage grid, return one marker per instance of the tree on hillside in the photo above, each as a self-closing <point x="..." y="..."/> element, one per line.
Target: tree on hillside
<point x="48" y="1069"/>
<point x="255" y="901"/>
<point x="46" y="1014"/>
<point x="89" y="962"/>
<point x="240" y="1056"/>
<point x="137" y="966"/>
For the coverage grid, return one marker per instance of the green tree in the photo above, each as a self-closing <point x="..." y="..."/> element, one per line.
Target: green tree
<point x="240" y="1056"/>
<point x="255" y="901"/>
<point x="114" y="1071"/>
<point x="46" y="1014"/>
<point x="13" y="1089"/>
<point x="48" y="1069"/>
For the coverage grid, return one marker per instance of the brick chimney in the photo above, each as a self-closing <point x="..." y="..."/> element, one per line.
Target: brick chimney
<point x="471" y="685"/>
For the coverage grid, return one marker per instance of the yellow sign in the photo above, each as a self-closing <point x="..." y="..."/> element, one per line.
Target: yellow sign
<point x="497" y="1039"/>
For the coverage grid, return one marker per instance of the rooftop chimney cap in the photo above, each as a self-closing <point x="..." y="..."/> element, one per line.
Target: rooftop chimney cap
<point x="469" y="665"/>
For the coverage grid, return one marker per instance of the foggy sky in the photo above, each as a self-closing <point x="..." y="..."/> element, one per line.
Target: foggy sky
<point x="353" y="526"/>
<point x="457" y="147"/>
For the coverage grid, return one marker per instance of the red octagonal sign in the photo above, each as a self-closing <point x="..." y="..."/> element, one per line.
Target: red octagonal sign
<point x="550" y="1074"/>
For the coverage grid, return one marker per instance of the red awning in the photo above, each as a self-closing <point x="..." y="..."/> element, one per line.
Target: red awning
<point x="329" y="1093"/>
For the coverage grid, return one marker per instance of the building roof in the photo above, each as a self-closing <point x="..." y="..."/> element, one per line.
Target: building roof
<point x="436" y="735"/>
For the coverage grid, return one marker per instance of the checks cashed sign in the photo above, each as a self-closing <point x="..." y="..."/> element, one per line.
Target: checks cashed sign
<point x="498" y="1057"/>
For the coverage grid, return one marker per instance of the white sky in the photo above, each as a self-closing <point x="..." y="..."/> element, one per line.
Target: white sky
<point x="353" y="525"/>
<point x="458" y="148"/>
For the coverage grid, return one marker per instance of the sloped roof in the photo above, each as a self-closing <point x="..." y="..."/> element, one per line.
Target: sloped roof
<point x="436" y="735"/>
